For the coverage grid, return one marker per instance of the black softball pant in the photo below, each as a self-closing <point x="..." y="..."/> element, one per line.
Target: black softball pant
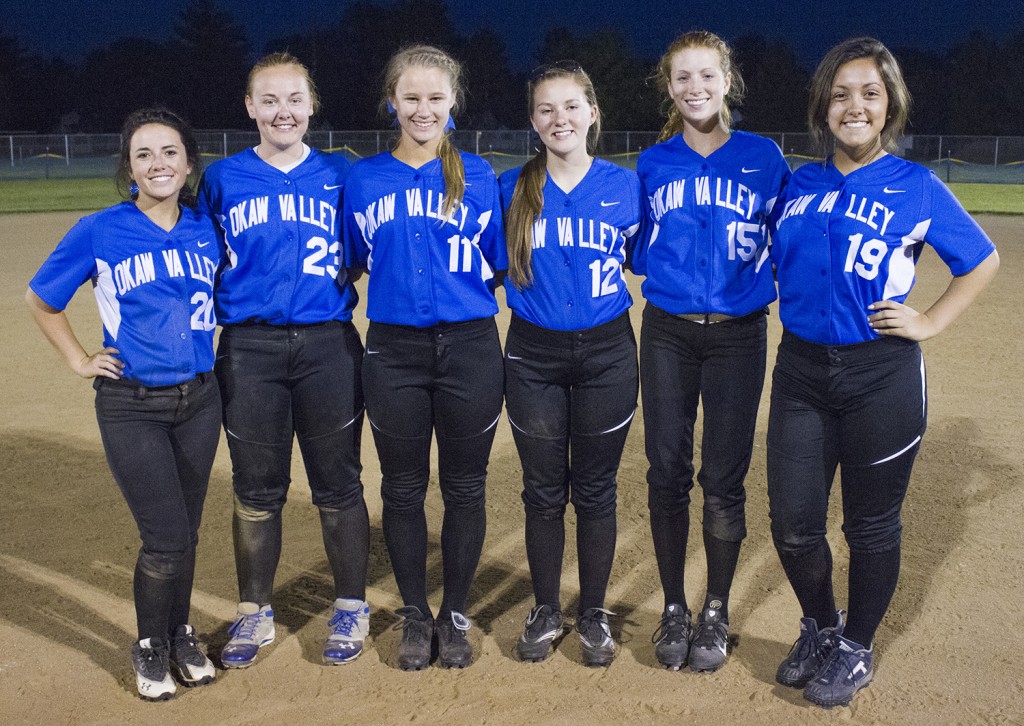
<point x="862" y="408"/>
<point x="721" y="365"/>
<point x="281" y="382"/>
<point x="445" y="381"/>
<point x="571" y="396"/>
<point x="160" y="444"/>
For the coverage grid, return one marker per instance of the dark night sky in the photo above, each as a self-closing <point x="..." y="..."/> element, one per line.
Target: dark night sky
<point x="70" y="28"/>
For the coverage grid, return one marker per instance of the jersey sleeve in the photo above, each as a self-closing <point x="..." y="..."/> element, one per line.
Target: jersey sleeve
<point x="67" y="268"/>
<point x="956" y="237"/>
<point x="634" y="232"/>
<point x="355" y="251"/>
<point x="646" y="234"/>
<point x="492" y="235"/>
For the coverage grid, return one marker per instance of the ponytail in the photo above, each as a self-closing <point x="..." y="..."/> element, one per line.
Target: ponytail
<point x="526" y="206"/>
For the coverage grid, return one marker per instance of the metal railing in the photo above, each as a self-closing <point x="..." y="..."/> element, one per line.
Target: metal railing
<point x="991" y="159"/>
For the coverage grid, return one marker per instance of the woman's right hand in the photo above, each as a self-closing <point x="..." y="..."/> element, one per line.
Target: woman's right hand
<point x="101" y="364"/>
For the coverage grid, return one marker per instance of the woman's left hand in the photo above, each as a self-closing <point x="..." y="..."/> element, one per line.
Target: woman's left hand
<point x="893" y="318"/>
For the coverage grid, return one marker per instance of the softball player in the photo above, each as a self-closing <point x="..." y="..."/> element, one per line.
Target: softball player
<point x="152" y="262"/>
<point x="849" y="375"/>
<point x="425" y="221"/>
<point x="289" y="357"/>
<point x="570" y="355"/>
<point x="704" y="331"/>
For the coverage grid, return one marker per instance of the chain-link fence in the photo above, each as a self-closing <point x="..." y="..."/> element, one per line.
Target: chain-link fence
<point x="987" y="159"/>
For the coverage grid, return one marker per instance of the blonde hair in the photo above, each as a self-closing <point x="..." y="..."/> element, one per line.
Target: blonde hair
<point x="897" y="113"/>
<point x="663" y="75"/>
<point x="528" y="198"/>
<point x="284" y="58"/>
<point x="427" y="56"/>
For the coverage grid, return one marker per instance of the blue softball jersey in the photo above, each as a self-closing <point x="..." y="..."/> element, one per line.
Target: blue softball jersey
<point x="580" y="242"/>
<point x="841" y="243"/>
<point x="283" y="239"/>
<point x="154" y="288"/>
<point x="424" y="269"/>
<point x="704" y="240"/>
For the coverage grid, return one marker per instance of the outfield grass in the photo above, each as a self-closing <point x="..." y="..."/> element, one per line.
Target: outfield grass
<point x="57" y="195"/>
<point x="66" y="195"/>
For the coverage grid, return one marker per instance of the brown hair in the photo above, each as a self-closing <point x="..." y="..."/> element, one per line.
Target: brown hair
<point x="427" y="56"/>
<point x="528" y="198"/>
<point x="898" y="111"/>
<point x="136" y="120"/>
<point x="284" y="58"/>
<point x="663" y="75"/>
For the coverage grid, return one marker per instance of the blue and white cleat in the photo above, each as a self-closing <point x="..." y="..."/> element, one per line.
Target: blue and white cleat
<point x="350" y="625"/>
<point x="253" y="628"/>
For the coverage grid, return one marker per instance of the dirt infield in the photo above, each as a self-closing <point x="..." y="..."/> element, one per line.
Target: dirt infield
<point x="949" y="651"/>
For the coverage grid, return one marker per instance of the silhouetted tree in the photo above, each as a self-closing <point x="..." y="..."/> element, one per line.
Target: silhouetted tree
<point x="211" y="55"/>
<point x="777" y="85"/>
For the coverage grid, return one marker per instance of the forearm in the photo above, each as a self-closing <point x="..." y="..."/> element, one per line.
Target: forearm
<point x="55" y="326"/>
<point x="961" y="292"/>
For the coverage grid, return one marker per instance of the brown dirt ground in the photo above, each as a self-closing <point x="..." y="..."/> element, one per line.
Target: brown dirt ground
<point x="948" y="651"/>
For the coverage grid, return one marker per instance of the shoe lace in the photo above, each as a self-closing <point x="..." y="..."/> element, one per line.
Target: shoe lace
<point x="414" y="626"/>
<point x="671" y="628"/>
<point x="710" y="634"/>
<point x="244" y="628"/>
<point x="542" y="620"/>
<point x="594" y="622"/>
<point x="344" y="622"/>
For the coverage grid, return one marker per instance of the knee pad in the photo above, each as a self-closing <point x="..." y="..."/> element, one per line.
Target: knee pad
<point x="161" y="565"/>
<point x="546" y="514"/>
<point x="724" y="519"/>
<point x="248" y="514"/>
<point x="874" y="541"/>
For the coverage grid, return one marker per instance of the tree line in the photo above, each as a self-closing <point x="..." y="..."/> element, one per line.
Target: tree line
<point x="973" y="88"/>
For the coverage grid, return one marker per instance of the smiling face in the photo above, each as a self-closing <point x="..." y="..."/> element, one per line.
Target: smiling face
<point x="281" y="103"/>
<point x="423" y="102"/>
<point x="857" y="109"/>
<point x="158" y="163"/>
<point x="562" y="116"/>
<point x="698" y="86"/>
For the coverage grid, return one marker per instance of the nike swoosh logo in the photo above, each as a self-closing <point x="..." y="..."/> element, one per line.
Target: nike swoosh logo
<point x="609" y="204"/>
<point x="745" y="170"/>
<point x="887" y="190"/>
<point x="513" y="357"/>
<point x="203" y="244"/>
<point x="328" y="187"/>
<point x="372" y="352"/>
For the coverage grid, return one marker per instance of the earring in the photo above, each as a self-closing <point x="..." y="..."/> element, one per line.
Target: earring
<point x="133" y="189"/>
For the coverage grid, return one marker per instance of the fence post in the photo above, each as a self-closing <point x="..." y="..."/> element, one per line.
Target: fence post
<point x="67" y="151"/>
<point x="782" y="145"/>
<point x="627" y="142"/>
<point x="477" y="152"/>
<point x="11" y="139"/>
<point x="330" y="141"/>
<point x="940" y="147"/>
<point x="378" y="142"/>
<point x="996" y="161"/>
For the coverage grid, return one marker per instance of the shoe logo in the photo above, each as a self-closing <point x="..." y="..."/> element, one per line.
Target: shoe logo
<point x="203" y="244"/>
<point x="745" y="170"/>
<point x="887" y="190"/>
<point x="608" y="204"/>
<point x="859" y="668"/>
<point x="329" y="187"/>
<point x="460" y="621"/>
<point x="715" y="605"/>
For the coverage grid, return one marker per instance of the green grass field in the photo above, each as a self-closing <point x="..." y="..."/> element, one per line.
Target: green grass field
<point x="72" y="195"/>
